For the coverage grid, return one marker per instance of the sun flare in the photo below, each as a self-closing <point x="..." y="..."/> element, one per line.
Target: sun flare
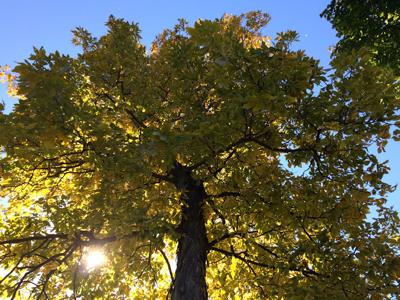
<point x="94" y="259"/>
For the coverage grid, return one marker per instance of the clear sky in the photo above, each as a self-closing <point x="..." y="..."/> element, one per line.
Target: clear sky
<point x="48" y="23"/>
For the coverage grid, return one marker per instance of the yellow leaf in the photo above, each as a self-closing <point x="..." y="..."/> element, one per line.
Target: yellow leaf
<point x="233" y="267"/>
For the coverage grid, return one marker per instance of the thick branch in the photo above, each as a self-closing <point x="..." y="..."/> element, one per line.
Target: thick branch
<point x="163" y="177"/>
<point x="77" y="241"/>
<point x="303" y="270"/>
<point x="245" y="260"/>
<point x="245" y="140"/>
<point x="226" y="236"/>
<point x="35" y="238"/>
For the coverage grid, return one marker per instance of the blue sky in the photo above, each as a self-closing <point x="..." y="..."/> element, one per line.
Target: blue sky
<point x="48" y="23"/>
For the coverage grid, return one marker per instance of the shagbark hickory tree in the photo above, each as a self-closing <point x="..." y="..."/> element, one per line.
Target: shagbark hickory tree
<point x="185" y="156"/>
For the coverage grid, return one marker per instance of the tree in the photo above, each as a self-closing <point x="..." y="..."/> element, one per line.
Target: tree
<point x="373" y="23"/>
<point x="190" y="153"/>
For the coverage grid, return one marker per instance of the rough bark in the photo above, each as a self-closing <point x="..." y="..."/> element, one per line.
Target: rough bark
<point x="190" y="275"/>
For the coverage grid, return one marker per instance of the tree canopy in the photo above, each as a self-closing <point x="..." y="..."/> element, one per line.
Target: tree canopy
<point x="187" y="156"/>
<point x="373" y="23"/>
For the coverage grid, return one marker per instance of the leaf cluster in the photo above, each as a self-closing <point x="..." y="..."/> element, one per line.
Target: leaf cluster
<point x="374" y="24"/>
<point x="89" y="151"/>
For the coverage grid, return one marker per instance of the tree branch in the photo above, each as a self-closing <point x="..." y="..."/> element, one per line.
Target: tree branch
<point x="245" y="260"/>
<point x="226" y="194"/>
<point x="226" y="236"/>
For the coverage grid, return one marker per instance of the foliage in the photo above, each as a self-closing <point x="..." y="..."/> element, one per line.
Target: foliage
<point x="91" y="152"/>
<point x="373" y="23"/>
<point x="9" y="78"/>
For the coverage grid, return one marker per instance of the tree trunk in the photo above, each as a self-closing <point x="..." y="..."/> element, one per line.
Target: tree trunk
<point x="190" y="275"/>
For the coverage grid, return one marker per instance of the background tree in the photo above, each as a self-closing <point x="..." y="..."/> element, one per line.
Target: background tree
<point x="185" y="153"/>
<point x="373" y="23"/>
